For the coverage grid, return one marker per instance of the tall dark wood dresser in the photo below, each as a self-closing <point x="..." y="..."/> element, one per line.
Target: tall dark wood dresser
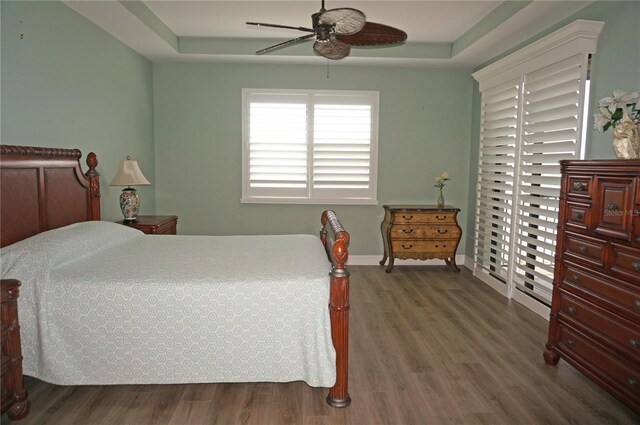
<point x="595" y="311"/>
<point x="14" y="397"/>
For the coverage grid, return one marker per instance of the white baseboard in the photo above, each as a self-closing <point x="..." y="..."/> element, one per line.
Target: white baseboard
<point x="374" y="260"/>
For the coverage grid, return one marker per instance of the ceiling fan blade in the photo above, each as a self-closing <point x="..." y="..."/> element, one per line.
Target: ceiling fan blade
<point x="332" y="49"/>
<point x="344" y="20"/>
<point x="284" y="44"/>
<point x="374" y="34"/>
<point x="260" y="24"/>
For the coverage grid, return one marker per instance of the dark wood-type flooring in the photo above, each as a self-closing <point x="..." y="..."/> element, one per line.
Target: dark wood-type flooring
<point x="428" y="346"/>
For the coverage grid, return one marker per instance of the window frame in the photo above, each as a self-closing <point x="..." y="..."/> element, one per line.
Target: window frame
<point x="312" y="195"/>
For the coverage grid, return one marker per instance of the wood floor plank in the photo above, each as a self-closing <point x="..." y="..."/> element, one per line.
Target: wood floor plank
<point x="427" y="346"/>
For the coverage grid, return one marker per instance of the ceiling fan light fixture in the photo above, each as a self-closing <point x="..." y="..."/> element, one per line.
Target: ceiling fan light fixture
<point x="336" y="30"/>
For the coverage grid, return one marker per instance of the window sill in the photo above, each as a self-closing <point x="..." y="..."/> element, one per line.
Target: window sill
<point x="304" y="201"/>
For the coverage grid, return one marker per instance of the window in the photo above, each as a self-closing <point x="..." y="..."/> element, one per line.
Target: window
<point x="532" y="116"/>
<point x="304" y="146"/>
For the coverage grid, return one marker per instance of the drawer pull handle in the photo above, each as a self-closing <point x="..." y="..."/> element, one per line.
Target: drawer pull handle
<point x="442" y="232"/>
<point x="407" y="230"/>
<point x="583" y="249"/>
<point x="578" y="186"/>
<point x="612" y="207"/>
<point x="571" y="342"/>
<point x="632" y="382"/>
<point x="636" y="266"/>
<point x="576" y="215"/>
<point x="575" y="278"/>
<point x="410" y="217"/>
<point x="634" y="343"/>
<point x="637" y="303"/>
<point x="441" y="217"/>
<point x="571" y="310"/>
<point x="407" y="247"/>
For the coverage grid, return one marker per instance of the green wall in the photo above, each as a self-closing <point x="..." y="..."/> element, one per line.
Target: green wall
<point x="67" y="83"/>
<point x="615" y="65"/>
<point x="424" y="130"/>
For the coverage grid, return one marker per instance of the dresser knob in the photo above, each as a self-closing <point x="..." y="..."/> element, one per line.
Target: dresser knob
<point x="410" y="217"/>
<point x="571" y="342"/>
<point x="575" y="278"/>
<point x="438" y="217"/>
<point x="571" y="310"/>
<point x="407" y="247"/>
<point x="583" y="249"/>
<point x="576" y="215"/>
<point x="637" y="303"/>
<point x="634" y="343"/>
<point x="636" y="266"/>
<point x="632" y="382"/>
<point x="612" y="207"/>
<point x="442" y="232"/>
<point x="578" y="186"/>
<point x="407" y="230"/>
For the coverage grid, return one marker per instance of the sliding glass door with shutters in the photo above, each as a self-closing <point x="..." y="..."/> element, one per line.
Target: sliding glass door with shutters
<point x="528" y="124"/>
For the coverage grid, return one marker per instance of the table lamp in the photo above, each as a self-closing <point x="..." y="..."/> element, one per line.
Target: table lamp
<point x="129" y="174"/>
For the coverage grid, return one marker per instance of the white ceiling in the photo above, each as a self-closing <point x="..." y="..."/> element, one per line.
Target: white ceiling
<point x="439" y="33"/>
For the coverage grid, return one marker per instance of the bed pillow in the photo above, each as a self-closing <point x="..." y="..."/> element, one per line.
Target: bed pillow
<point x="57" y="247"/>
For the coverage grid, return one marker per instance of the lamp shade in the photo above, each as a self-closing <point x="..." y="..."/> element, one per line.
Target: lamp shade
<point x="129" y="174"/>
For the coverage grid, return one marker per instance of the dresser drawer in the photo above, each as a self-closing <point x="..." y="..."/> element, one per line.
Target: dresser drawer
<point x="614" y="208"/>
<point x="625" y="262"/>
<point x="405" y="231"/>
<point x="584" y="249"/>
<point x="580" y="186"/>
<point x="417" y="246"/>
<point x="622" y="295"/>
<point x="608" y="327"/>
<point x="406" y="217"/>
<point x="578" y="215"/>
<point x="609" y="368"/>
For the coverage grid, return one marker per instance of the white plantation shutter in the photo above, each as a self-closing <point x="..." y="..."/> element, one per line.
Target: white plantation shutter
<point x="278" y="146"/>
<point x="342" y="153"/>
<point x="533" y="103"/>
<point x="499" y="119"/>
<point x="308" y="146"/>
<point x="552" y="108"/>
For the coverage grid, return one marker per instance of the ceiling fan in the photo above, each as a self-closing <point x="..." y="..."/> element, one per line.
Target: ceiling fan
<point x="336" y="30"/>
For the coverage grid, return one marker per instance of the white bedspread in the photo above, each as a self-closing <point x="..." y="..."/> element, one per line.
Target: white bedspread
<point x="102" y="304"/>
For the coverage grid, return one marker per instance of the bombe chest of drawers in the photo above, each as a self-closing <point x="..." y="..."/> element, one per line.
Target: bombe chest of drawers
<point x="595" y="312"/>
<point x="420" y="232"/>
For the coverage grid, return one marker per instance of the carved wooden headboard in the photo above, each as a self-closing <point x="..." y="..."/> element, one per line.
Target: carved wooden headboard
<point x="44" y="188"/>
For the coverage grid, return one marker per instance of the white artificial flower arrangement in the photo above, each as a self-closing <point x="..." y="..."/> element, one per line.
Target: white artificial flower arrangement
<point x="439" y="181"/>
<point x="613" y="109"/>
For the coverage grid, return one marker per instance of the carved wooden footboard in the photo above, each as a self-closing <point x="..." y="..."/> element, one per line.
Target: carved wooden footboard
<point x="336" y="241"/>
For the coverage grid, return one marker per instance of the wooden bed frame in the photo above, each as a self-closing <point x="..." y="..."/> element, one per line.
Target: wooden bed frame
<point x="44" y="188"/>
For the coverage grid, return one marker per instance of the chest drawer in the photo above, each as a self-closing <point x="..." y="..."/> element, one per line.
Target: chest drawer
<point x="424" y="246"/>
<point x="580" y="186"/>
<point x="625" y="262"/>
<point x="613" y="371"/>
<point x="417" y="231"/>
<point x="614" y="206"/>
<point x="618" y="331"/>
<point x="585" y="249"/>
<point x="578" y="215"/>
<point x="622" y="295"/>
<point x="437" y="217"/>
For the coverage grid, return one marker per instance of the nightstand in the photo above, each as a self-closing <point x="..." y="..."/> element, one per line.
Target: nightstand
<point x="14" y="397"/>
<point x="155" y="224"/>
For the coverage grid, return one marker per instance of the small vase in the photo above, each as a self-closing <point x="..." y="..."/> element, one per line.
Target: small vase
<point x="441" y="200"/>
<point x="626" y="138"/>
